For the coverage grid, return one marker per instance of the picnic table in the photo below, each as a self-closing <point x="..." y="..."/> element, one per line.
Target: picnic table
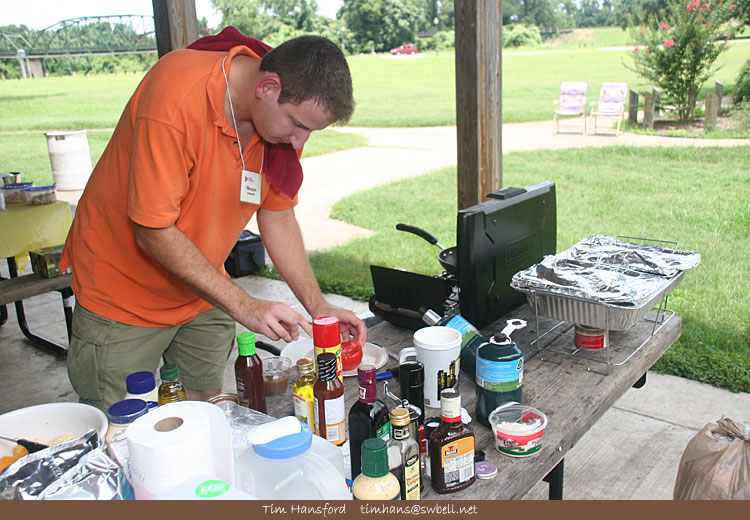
<point x="26" y="228"/>
<point x="573" y="395"/>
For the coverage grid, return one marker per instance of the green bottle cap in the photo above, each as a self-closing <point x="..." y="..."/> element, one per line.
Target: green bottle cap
<point x="246" y="343"/>
<point x="374" y="457"/>
<point x="169" y="372"/>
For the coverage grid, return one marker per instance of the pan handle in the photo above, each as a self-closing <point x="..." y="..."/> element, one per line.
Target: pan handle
<point x="420" y="233"/>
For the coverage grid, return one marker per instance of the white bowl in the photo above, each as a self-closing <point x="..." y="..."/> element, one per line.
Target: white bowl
<point x="47" y="422"/>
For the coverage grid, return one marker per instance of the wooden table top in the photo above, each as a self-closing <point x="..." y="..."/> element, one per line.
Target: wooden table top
<point x="573" y="392"/>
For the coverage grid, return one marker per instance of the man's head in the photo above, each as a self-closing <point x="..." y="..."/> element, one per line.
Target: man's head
<point x="313" y="68"/>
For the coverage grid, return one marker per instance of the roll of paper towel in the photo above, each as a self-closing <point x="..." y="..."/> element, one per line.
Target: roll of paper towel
<point x="168" y="446"/>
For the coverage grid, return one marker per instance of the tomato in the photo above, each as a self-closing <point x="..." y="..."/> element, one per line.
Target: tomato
<point x="351" y="354"/>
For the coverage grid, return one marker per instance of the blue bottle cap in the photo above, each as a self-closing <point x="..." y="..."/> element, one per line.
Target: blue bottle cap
<point x="286" y="447"/>
<point x="140" y="382"/>
<point x="127" y="411"/>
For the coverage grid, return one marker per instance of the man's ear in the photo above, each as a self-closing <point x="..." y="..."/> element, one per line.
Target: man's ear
<point x="269" y="85"/>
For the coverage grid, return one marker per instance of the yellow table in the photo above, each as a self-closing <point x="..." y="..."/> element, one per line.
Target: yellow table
<point x="25" y="228"/>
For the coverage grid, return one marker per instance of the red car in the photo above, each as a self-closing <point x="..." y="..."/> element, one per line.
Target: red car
<point x="409" y="48"/>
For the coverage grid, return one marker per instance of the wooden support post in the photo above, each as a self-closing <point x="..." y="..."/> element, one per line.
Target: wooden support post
<point x="692" y="98"/>
<point x="633" y="108"/>
<point x="712" y="110"/>
<point x="648" y="110"/>
<point x="478" y="99"/>
<point x="175" y="24"/>
<point x="656" y="91"/>
<point x="719" y="91"/>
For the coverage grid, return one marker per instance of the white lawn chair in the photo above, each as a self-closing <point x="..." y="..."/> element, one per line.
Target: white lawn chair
<point x="611" y="104"/>
<point x="572" y="103"/>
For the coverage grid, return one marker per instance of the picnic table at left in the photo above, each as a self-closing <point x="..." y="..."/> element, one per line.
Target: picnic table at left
<point x="25" y="228"/>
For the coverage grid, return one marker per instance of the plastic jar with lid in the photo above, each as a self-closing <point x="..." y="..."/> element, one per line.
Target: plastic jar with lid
<point x="122" y="414"/>
<point x="142" y="385"/>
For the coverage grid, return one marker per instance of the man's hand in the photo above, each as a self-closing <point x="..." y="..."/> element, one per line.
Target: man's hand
<point x="274" y="319"/>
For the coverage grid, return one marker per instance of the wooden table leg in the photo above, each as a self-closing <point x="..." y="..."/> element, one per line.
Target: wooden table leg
<point x="555" y="480"/>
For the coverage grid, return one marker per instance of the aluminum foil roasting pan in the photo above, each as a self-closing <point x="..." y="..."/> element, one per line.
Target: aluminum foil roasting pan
<point x="595" y="313"/>
<point x="603" y="282"/>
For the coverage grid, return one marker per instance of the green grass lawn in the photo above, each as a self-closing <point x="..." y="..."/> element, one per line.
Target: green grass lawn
<point x="698" y="197"/>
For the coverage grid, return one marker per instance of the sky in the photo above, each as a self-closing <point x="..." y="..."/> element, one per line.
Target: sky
<point x="39" y="14"/>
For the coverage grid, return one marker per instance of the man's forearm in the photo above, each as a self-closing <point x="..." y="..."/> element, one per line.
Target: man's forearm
<point x="178" y="255"/>
<point x="283" y="241"/>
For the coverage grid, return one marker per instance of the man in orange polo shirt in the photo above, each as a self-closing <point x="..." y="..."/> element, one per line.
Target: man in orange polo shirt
<point x="185" y="170"/>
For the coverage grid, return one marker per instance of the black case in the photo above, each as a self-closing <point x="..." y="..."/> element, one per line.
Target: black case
<point x="247" y="256"/>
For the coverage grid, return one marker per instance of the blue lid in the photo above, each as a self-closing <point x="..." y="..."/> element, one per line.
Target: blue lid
<point x="127" y="411"/>
<point x="40" y="188"/>
<point x="140" y="382"/>
<point x="17" y="186"/>
<point x="286" y="447"/>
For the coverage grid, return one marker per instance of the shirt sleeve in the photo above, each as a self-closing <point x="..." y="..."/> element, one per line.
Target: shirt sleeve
<point x="159" y="176"/>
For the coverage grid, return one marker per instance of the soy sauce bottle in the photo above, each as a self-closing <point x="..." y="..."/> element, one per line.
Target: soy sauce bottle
<point x="248" y="373"/>
<point x="451" y="447"/>
<point x="368" y="417"/>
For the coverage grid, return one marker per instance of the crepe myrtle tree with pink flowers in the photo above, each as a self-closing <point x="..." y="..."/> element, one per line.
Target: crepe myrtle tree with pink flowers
<point x="677" y="48"/>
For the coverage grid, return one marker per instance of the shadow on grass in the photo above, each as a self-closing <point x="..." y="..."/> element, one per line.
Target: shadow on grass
<point x="718" y="357"/>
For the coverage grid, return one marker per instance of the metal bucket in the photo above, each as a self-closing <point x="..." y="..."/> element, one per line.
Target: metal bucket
<point x="70" y="158"/>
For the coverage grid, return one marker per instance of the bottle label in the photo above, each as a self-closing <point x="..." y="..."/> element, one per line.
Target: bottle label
<point x="335" y="350"/>
<point x="334" y="429"/>
<point x="304" y="410"/>
<point x="499" y="376"/>
<point x="411" y="478"/>
<point x="450" y="409"/>
<point x="384" y="432"/>
<point x="242" y="398"/>
<point x="467" y="330"/>
<point x="400" y="432"/>
<point x="457" y="462"/>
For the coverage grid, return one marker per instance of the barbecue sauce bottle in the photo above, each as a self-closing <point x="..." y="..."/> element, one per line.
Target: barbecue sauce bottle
<point x="248" y="374"/>
<point x="330" y="413"/>
<point x="451" y="447"/>
<point x="368" y="417"/>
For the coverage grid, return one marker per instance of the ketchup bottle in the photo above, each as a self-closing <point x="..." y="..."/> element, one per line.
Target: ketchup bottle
<point x="248" y="373"/>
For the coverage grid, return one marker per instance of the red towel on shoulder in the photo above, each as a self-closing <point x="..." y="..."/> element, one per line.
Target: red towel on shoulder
<point x="281" y="165"/>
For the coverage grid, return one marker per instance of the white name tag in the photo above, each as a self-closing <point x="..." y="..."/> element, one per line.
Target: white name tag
<point x="251" y="183"/>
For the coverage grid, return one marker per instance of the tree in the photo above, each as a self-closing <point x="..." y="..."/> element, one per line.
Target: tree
<point x="676" y="50"/>
<point x="381" y="24"/>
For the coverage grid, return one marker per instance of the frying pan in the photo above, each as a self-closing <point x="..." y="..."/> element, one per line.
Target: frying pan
<point x="447" y="256"/>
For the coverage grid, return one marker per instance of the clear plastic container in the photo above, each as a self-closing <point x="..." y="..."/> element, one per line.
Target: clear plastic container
<point x="300" y="466"/>
<point x="38" y="195"/>
<point x="14" y="193"/>
<point x="518" y="429"/>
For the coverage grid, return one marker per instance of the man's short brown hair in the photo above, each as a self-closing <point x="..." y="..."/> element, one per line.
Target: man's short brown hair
<point x="313" y="68"/>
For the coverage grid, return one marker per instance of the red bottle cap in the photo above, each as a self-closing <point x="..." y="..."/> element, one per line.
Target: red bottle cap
<point x="326" y="332"/>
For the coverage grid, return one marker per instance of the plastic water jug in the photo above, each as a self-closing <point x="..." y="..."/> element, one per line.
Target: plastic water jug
<point x="296" y="466"/>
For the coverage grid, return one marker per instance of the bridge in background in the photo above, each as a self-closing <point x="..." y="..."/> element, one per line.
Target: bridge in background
<point x="85" y="36"/>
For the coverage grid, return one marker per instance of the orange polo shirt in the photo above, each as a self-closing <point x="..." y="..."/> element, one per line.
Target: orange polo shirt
<point x="173" y="159"/>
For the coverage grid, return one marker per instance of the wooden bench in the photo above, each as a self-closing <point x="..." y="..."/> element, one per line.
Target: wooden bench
<point x="17" y="289"/>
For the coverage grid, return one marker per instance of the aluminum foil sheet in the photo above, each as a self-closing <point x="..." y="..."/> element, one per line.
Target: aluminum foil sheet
<point x="77" y="469"/>
<point x="603" y="269"/>
<point x="645" y="258"/>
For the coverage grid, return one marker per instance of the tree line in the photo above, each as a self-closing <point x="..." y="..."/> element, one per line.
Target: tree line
<point x="360" y="26"/>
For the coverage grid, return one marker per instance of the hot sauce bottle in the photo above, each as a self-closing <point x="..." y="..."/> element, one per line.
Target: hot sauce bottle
<point x="330" y="412"/>
<point x="248" y="373"/>
<point x="327" y="338"/>
<point x="451" y="447"/>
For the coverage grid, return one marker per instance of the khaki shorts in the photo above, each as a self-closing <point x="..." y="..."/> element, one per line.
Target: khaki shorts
<point x="104" y="352"/>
